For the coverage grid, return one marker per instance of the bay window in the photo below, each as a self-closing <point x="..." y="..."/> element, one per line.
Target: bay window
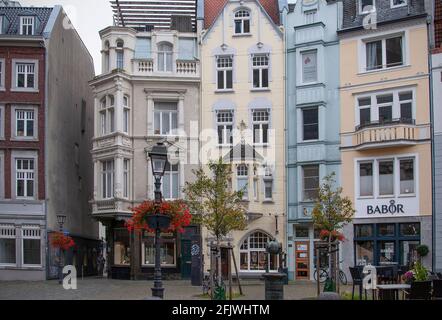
<point x="126" y="171"/>
<point x="120" y="54"/>
<point x="107" y="115"/>
<point x="165" y="118"/>
<point x="224" y="66"/>
<point x="310" y="182"/>
<point x="107" y="179"/>
<point x="384" y="53"/>
<point x="309" y="66"/>
<point x="25" y="178"/>
<point x="126" y="114"/>
<point x="260" y="65"/>
<point x="310" y="119"/>
<point x="261" y="120"/>
<point x="224" y="121"/>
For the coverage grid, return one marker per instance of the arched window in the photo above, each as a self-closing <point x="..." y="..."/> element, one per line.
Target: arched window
<point x="107" y="113"/>
<point x="242" y="22"/>
<point x="253" y="255"/>
<point x="106" y="56"/>
<point x="120" y="54"/>
<point x="165" y="54"/>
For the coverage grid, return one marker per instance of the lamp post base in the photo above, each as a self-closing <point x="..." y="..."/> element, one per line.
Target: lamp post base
<point x="158" y="292"/>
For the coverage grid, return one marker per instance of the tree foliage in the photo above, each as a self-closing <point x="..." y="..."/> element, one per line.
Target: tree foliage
<point x="213" y="203"/>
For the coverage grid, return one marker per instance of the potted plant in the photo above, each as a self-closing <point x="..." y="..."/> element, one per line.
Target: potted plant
<point x="61" y="241"/>
<point x="418" y="273"/>
<point x="422" y="250"/>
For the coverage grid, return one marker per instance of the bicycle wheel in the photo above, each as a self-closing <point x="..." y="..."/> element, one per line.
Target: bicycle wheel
<point x="343" y="277"/>
<point x="323" y="274"/>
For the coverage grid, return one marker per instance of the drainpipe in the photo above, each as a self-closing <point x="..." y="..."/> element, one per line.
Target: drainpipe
<point x="433" y="180"/>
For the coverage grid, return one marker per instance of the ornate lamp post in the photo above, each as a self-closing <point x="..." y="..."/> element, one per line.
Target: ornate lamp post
<point x="158" y="221"/>
<point x="61" y="219"/>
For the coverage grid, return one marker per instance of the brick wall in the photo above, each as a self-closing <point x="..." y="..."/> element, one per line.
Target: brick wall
<point x="438" y="23"/>
<point x="9" y="99"/>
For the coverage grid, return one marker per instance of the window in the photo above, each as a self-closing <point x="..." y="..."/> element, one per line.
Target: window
<point x="31" y="246"/>
<point x="268" y="184"/>
<point x="398" y="3"/>
<point x="27" y="26"/>
<point x="167" y="251"/>
<point x="1" y="24"/>
<point x="225" y="126"/>
<point x="385" y="53"/>
<point x="410" y="229"/>
<point x="386" y="178"/>
<point x="253" y="255"/>
<point x="121" y="247"/>
<point x="310" y="16"/>
<point x="255" y="189"/>
<point x="242" y="176"/>
<point x="386" y="108"/>
<point x="309" y="67"/>
<point x="107" y="179"/>
<point x="261" y="120"/>
<point x="126" y="171"/>
<point x="406" y="176"/>
<point x="364" y="253"/>
<point x="364" y="231"/>
<point x="386" y="230"/>
<point x="2" y="126"/>
<point x="106" y="57"/>
<point x="310" y="119"/>
<point x="107" y="115"/>
<point x="25" y="75"/>
<point x="301" y="232"/>
<point x="24" y="123"/>
<point x="171" y="182"/>
<point x="7" y="245"/>
<point x="310" y="182"/>
<point x="126" y="114"/>
<point x="120" y="54"/>
<point x="224" y="73"/>
<point x="366" y="179"/>
<point x="260" y="71"/>
<point x="25" y="175"/>
<point x="2" y="72"/>
<point x="165" y="57"/>
<point x="366" y="6"/>
<point x="165" y="118"/>
<point x="242" y="22"/>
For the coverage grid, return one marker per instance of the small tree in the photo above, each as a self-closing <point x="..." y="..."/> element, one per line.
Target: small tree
<point x="330" y="214"/>
<point x="214" y="205"/>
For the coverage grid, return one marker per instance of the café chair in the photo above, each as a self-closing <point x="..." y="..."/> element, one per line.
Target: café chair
<point x="420" y="290"/>
<point x="357" y="277"/>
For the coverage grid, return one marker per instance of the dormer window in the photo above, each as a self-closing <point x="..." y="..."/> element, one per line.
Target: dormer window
<point x="398" y="3"/>
<point x="242" y="22"/>
<point x="27" y="26"/>
<point x="367" y="6"/>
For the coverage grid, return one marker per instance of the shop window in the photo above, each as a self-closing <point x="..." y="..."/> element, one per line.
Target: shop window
<point x="364" y="253"/>
<point x="121" y="247"/>
<point x="386" y="230"/>
<point x="387" y="252"/>
<point x="31" y="246"/>
<point x="364" y="231"/>
<point x="409" y="253"/>
<point x="410" y="229"/>
<point x="7" y="245"/>
<point x="253" y="255"/>
<point x="167" y="252"/>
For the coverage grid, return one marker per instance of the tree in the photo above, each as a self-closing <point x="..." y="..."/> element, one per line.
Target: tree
<point x="214" y="204"/>
<point x="330" y="214"/>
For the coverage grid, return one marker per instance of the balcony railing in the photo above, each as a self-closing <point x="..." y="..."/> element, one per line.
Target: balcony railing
<point x="384" y="123"/>
<point x="182" y="68"/>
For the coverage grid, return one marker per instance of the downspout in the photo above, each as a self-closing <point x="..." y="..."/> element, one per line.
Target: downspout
<point x="433" y="180"/>
<point x="45" y="152"/>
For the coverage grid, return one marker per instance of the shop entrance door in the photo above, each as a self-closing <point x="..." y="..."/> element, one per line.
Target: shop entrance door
<point x="186" y="259"/>
<point x="302" y="260"/>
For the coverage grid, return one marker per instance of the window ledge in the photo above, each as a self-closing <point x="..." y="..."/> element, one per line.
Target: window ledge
<point x="386" y="196"/>
<point x="366" y="198"/>
<point x="411" y="195"/>
<point x="363" y="73"/>
<point x="260" y="90"/>
<point x="225" y="91"/>
<point x="2" y="89"/>
<point x="268" y="202"/>
<point x="239" y="35"/>
<point x="30" y="90"/>
<point x="24" y="139"/>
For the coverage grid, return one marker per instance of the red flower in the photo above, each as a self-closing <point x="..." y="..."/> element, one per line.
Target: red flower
<point x="335" y="235"/>
<point x="177" y="210"/>
<point x="61" y="241"/>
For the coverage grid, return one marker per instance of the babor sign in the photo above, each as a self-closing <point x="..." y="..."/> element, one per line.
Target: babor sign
<point x="392" y="208"/>
<point x="380" y="208"/>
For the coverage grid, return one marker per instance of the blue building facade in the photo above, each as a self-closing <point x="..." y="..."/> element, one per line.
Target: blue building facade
<point x="313" y="121"/>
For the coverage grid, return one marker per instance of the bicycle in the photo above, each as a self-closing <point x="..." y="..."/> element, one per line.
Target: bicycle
<point x="207" y="284"/>
<point x="323" y="276"/>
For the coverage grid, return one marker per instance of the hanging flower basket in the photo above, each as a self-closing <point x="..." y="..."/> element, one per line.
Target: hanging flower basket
<point x="60" y="241"/>
<point x="169" y="216"/>
<point x="335" y="235"/>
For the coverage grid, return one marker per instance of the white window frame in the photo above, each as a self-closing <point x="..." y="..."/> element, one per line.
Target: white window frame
<point x="35" y="234"/>
<point x="304" y="198"/>
<point x="396" y="176"/>
<point x="14" y="110"/>
<point x="8" y="231"/>
<point x="302" y="79"/>
<point x="119" y="54"/>
<point x="28" y="118"/>
<point x="2" y="122"/>
<point x="105" y="174"/>
<point x="310" y="16"/>
<point x="373" y="177"/>
<point x="243" y="174"/>
<point x="126" y="114"/>
<point x="261" y="123"/>
<point x="242" y="18"/>
<point x="18" y="155"/>
<point x="126" y="178"/>
<point x="227" y="65"/>
<point x="1" y="25"/>
<point x="362" y="11"/>
<point x="169" y="174"/>
<point x="398" y="5"/>
<point x="383" y="38"/>
<point x="374" y="107"/>
<point x="173" y="111"/>
<point x="15" y="87"/>
<point x="26" y="175"/>
<point x="2" y="71"/>
<point x="27" y="21"/>
<point x="2" y="174"/>
<point x="259" y="250"/>
<point x="166" y="54"/>
<point x="262" y="64"/>
<point x="303" y="123"/>
<point x="225" y="139"/>
<point x="107" y="115"/>
<point x="268" y="179"/>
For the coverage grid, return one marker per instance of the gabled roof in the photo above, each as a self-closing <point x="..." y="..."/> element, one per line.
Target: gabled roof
<point x="12" y="15"/>
<point x="213" y="8"/>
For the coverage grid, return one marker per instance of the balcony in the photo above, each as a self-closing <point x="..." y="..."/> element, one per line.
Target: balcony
<point x="393" y="133"/>
<point x="110" y="207"/>
<point x="182" y="68"/>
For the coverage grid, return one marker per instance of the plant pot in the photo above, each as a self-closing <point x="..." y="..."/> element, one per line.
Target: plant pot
<point x="158" y="221"/>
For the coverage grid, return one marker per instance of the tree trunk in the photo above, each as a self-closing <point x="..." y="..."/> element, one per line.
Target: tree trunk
<point x="219" y="262"/>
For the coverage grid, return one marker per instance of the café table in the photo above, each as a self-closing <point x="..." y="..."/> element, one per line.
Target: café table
<point x="395" y="288"/>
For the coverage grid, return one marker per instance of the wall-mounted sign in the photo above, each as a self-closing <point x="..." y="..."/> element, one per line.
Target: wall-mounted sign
<point x="385" y="208"/>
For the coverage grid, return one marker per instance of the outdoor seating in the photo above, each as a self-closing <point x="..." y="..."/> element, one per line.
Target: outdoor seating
<point x="387" y="274"/>
<point x="420" y="290"/>
<point x="357" y="280"/>
<point x="437" y="289"/>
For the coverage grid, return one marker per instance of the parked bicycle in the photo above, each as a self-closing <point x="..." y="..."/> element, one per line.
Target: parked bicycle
<point x="207" y="284"/>
<point x="323" y="275"/>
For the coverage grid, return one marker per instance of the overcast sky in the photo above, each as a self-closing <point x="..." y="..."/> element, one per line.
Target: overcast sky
<point x="88" y="17"/>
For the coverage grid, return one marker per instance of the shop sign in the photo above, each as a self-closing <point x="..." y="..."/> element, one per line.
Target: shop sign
<point x="392" y="208"/>
<point x="384" y="208"/>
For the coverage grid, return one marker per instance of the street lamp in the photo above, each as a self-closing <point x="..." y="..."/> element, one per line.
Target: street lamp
<point x="61" y="219"/>
<point x="158" y="221"/>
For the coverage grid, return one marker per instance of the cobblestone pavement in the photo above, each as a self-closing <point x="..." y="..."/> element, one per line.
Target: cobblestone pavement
<point x="104" y="289"/>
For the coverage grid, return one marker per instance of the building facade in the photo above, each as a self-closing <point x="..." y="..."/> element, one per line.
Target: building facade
<point x="148" y="91"/>
<point x="242" y="118"/>
<point x="312" y="121"/>
<point x="436" y="63"/>
<point x="45" y="130"/>
<point x="385" y="131"/>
